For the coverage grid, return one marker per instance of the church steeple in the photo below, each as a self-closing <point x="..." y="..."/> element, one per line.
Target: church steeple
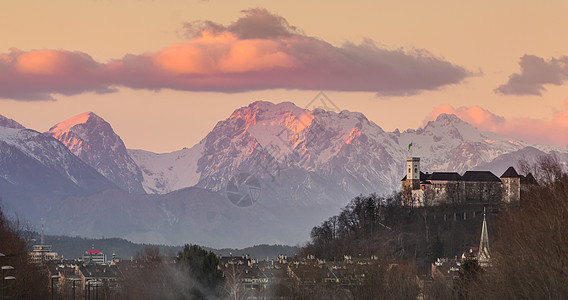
<point x="484" y="255"/>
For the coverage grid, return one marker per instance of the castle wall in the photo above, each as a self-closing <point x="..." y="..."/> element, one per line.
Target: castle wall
<point x="483" y="192"/>
<point x="440" y="192"/>
<point x="456" y="192"/>
<point x="511" y="189"/>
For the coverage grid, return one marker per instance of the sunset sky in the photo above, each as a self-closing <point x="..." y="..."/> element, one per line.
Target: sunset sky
<point x="163" y="73"/>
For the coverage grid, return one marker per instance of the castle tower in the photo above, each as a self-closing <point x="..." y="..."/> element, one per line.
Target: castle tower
<point x="511" y="185"/>
<point x="413" y="172"/>
<point x="483" y="256"/>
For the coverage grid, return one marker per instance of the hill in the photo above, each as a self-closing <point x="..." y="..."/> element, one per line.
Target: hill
<point x="75" y="247"/>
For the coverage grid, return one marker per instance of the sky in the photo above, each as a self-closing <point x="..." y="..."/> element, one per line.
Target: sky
<point x="163" y="73"/>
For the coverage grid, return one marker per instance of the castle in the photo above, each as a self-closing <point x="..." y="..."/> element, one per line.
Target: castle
<point x="473" y="187"/>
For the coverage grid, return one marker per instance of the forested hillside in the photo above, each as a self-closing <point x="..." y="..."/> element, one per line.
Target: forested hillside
<point x="526" y="241"/>
<point x="373" y="225"/>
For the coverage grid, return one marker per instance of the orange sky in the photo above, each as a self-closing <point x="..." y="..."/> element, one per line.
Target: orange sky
<point x="79" y="47"/>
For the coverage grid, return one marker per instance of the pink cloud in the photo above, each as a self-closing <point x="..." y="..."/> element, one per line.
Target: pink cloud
<point x="35" y="75"/>
<point x="537" y="131"/>
<point x="222" y="53"/>
<point x="258" y="51"/>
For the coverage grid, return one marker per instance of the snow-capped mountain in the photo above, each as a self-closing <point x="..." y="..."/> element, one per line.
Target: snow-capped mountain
<point x="93" y="140"/>
<point x="319" y="156"/>
<point x="34" y="164"/>
<point x="450" y="144"/>
<point x="168" y="172"/>
<point x="311" y="163"/>
<point x="302" y="157"/>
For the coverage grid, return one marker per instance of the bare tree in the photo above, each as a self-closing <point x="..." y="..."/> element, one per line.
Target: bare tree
<point x="31" y="280"/>
<point x="234" y="287"/>
<point x="529" y="257"/>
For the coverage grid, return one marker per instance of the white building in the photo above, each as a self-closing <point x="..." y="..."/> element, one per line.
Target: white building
<point x="94" y="257"/>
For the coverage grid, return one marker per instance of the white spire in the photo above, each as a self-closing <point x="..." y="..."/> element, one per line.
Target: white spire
<point x="484" y="255"/>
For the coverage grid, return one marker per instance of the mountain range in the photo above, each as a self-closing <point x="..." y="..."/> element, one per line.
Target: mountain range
<point x="266" y="174"/>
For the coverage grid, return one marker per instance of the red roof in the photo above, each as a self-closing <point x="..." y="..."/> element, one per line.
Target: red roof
<point x="94" y="251"/>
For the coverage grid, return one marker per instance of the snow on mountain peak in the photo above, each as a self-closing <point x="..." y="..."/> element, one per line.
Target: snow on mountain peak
<point x="263" y="110"/>
<point x="9" y="123"/>
<point x="71" y="122"/>
<point x="262" y="117"/>
<point x="93" y="140"/>
<point x="448" y="118"/>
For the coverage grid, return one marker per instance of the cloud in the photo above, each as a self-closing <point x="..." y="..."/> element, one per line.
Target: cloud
<point x="258" y="23"/>
<point x="535" y="73"/>
<point x="258" y="51"/>
<point x="536" y="131"/>
<point x="35" y="75"/>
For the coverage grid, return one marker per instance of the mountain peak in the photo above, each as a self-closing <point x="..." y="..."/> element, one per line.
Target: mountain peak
<point x="261" y="106"/>
<point x="76" y="120"/>
<point x="264" y="110"/>
<point x="9" y="123"/>
<point x="446" y="121"/>
<point x="93" y="140"/>
<point x="448" y="118"/>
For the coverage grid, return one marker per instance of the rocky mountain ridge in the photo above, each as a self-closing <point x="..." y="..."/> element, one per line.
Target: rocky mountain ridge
<point x="93" y="140"/>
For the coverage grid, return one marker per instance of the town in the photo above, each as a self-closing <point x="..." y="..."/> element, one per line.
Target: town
<point x="98" y="276"/>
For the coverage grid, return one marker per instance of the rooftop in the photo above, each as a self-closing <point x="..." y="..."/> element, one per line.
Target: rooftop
<point x="510" y="173"/>
<point x="485" y="176"/>
<point x="446" y="176"/>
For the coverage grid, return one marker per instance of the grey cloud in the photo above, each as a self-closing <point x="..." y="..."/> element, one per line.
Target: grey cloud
<point x="535" y="73"/>
<point x="258" y="23"/>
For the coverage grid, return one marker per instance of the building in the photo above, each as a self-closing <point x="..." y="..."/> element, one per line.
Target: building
<point x="64" y="275"/>
<point x="94" y="257"/>
<point x="445" y="270"/>
<point x="98" y="277"/>
<point x="473" y="187"/>
<point x="515" y="185"/>
<point x="42" y="253"/>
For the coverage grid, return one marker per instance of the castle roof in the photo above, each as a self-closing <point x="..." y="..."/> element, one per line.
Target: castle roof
<point x="445" y="176"/>
<point x="485" y="176"/>
<point x="529" y="179"/>
<point x="510" y="173"/>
